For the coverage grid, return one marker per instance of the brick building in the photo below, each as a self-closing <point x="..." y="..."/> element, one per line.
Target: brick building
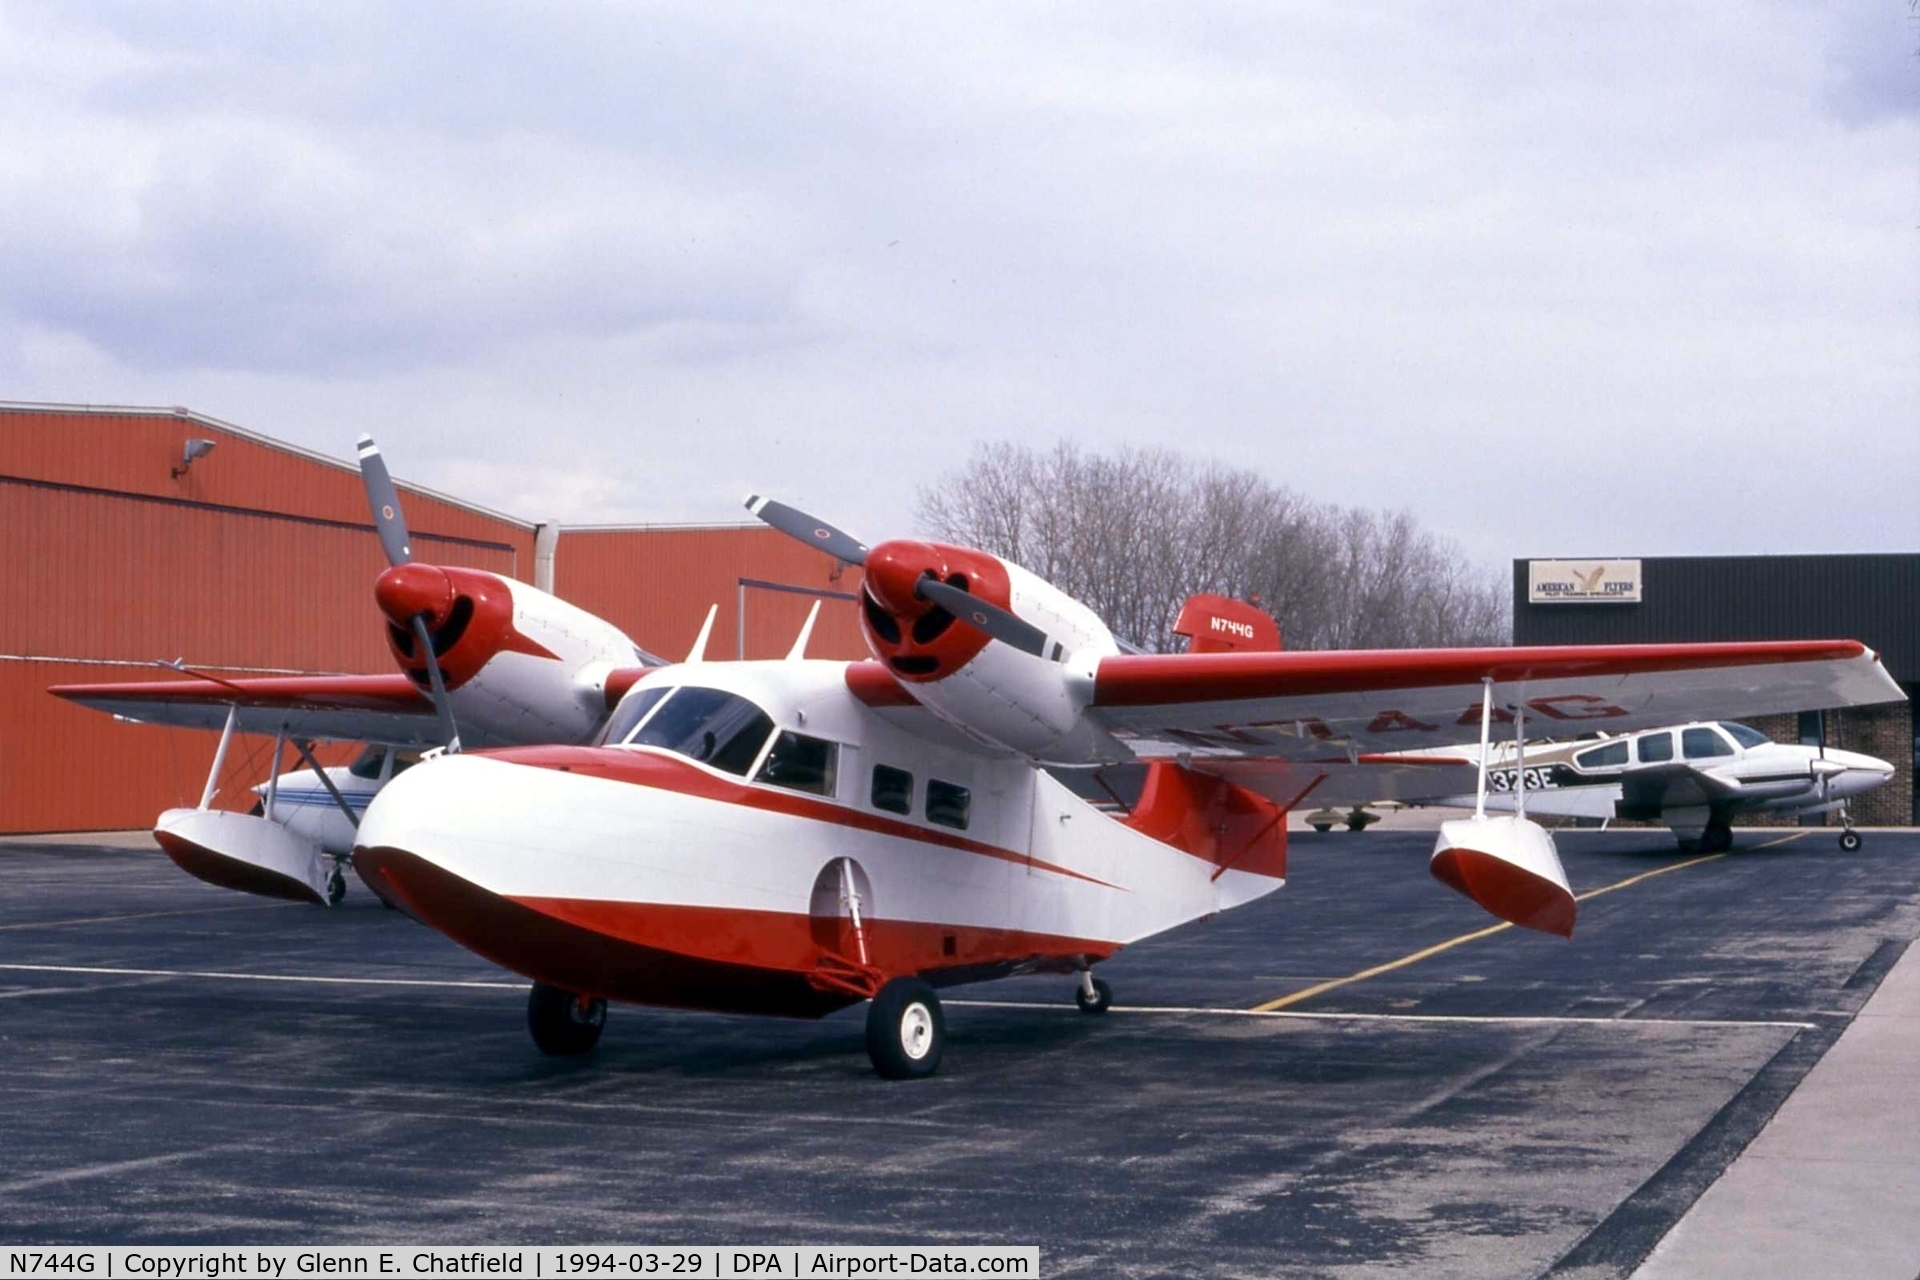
<point x="1682" y="599"/>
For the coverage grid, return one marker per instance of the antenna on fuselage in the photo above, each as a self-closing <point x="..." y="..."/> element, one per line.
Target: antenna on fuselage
<point x="699" y="651"/>
<point x="799" y="649"/>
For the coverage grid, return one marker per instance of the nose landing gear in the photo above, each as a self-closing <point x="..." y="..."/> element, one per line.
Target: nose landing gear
<point x="1849" y="838"/>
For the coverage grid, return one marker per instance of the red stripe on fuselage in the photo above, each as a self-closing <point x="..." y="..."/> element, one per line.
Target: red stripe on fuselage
<point x="725" y="960"/>
<point x="646" y="768"/>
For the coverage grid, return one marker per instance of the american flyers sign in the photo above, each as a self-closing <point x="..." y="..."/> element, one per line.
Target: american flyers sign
<point x="1583" y="582"/>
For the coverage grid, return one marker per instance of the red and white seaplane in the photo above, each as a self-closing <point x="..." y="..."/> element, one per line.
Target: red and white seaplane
<point x="792" y="837"/>
<point x="484" y="661"/>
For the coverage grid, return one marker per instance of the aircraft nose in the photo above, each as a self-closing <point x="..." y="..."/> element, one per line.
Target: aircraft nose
<point x="407" y="590"/>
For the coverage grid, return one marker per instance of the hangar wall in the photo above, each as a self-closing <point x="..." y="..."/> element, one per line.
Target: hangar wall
<point x="261" y="558"/>
<point x="1683" y="599"/>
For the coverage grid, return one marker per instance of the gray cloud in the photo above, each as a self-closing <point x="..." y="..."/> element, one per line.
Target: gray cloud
<point x="1560" y="280"/>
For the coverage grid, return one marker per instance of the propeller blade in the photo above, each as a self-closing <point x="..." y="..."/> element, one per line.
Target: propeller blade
<point x="798" y="525"/>
<point x="442" y="705"/>
<point x="384" y="501"/>
<point x="990" y="618"/>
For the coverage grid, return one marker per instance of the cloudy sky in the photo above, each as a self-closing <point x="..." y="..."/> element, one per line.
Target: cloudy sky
<point x="1571" y="280"/>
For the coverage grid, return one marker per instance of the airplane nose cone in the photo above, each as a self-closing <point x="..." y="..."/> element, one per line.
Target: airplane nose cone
<point x="408" y="590"/>
<point x="892" y="570"/>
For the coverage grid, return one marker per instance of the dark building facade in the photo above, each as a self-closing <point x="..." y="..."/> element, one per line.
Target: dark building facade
<point x="1683" y="599"/>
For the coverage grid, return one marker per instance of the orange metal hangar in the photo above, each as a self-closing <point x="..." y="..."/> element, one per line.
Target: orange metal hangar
<point x="144" y="534"/>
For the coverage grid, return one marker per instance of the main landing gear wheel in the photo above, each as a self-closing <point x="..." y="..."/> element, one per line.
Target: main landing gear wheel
<point x="906" y="1032"/>
<point x="336" y="886"/>
<point x="1849" y="840"/>
<point x="1093" y="995"/>
<point x="1717" y="838"/>
<point x="564" y="1024"/>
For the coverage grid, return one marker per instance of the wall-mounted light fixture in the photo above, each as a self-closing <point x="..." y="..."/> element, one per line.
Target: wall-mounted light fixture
<point x="194" y="449"/>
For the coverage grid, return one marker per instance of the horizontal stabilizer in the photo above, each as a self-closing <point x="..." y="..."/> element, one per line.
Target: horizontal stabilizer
<point x="1508" y="865"/>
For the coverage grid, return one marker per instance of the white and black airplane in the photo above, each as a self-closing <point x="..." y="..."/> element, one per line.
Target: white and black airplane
<point x="1694" y="778"/>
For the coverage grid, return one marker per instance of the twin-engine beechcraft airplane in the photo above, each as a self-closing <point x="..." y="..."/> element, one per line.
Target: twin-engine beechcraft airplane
<point x="484" y="661"/>
<point x="792" y="837"/>
<point x="1694" y="778"/>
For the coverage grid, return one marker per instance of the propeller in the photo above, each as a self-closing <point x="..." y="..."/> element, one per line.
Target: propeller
<point x="802" y="527"/>
<point x="982" y="615"/>
<point x="384" y="501"/>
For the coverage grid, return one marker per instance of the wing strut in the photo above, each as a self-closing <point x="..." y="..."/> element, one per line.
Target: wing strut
<point x="1486" y="745"/>
<point x="306" y="753"/>
<point x="220" y="756"/>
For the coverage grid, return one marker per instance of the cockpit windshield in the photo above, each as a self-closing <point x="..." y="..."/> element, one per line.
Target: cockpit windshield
<point x="720" y="729"/>
<point x="1743" y="735"/>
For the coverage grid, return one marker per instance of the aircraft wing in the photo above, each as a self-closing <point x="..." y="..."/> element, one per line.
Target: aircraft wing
<point x="377" y="708"/>
<point x="1674" y="786"/>
<point x="1340" y="782"/>
<point x="1310" y="706"/>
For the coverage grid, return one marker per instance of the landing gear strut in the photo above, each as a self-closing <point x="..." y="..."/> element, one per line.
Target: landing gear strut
<point x="1093" y="994"/>
<point x="906" y="1032"/>
<point x="564" y="1024"/>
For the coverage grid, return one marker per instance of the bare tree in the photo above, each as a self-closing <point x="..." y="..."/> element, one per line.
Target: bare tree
<point x="1133" y="533"/>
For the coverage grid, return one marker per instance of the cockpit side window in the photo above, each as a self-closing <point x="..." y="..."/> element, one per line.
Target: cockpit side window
<point x="720" y="729"/>
<point x="800" y="763"/>
<point x="367" y="763"/>
<point x="1609" y="756"/>
<point x="1745" y="736"/>
<point x="632" y="710"/>
<point x="1656" y="747"/>
<point x="1703" y="743"/>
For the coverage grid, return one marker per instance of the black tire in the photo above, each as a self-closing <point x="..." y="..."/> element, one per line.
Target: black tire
<point x="1321" y="827"/>
<point x="906" y="1032"/>
<point x="336" y="886"/>
<point x="564" y="1024"/>
<point x="1102" y="997"/>
<point x="1850" y="841"/>
<point x="1718" y="838"/>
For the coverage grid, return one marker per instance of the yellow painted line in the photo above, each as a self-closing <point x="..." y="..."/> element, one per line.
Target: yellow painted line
<point x="144" y="915"/>
<point x="1434" y="950"/>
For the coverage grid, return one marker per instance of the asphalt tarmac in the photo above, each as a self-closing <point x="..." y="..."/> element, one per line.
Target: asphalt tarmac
<point x="1430" y="1096"/>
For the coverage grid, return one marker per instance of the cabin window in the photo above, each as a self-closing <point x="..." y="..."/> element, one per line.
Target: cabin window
<point x="720" y="729"/>
<point x="947" y="804"/>
<point x="403" y="761"/>
<point x="1702" y="744"/>
<point x="892" y="789"/>
<point x="800" y="763"/>
<point x="367" y="763"/>
<point x="1607" y="757"/>
<point x="1745" y="736"/>
<point x="1656" y="747"/>
<point x="632" y="710"/>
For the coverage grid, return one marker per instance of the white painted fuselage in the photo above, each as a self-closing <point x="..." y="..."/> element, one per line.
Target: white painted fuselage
<point x="643" y="873"/>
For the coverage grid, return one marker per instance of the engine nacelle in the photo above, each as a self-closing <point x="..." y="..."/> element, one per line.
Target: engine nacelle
<point x="1031" y="706"/>
<point x="520" y="665"/>
<point x="1509" y="866"/>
